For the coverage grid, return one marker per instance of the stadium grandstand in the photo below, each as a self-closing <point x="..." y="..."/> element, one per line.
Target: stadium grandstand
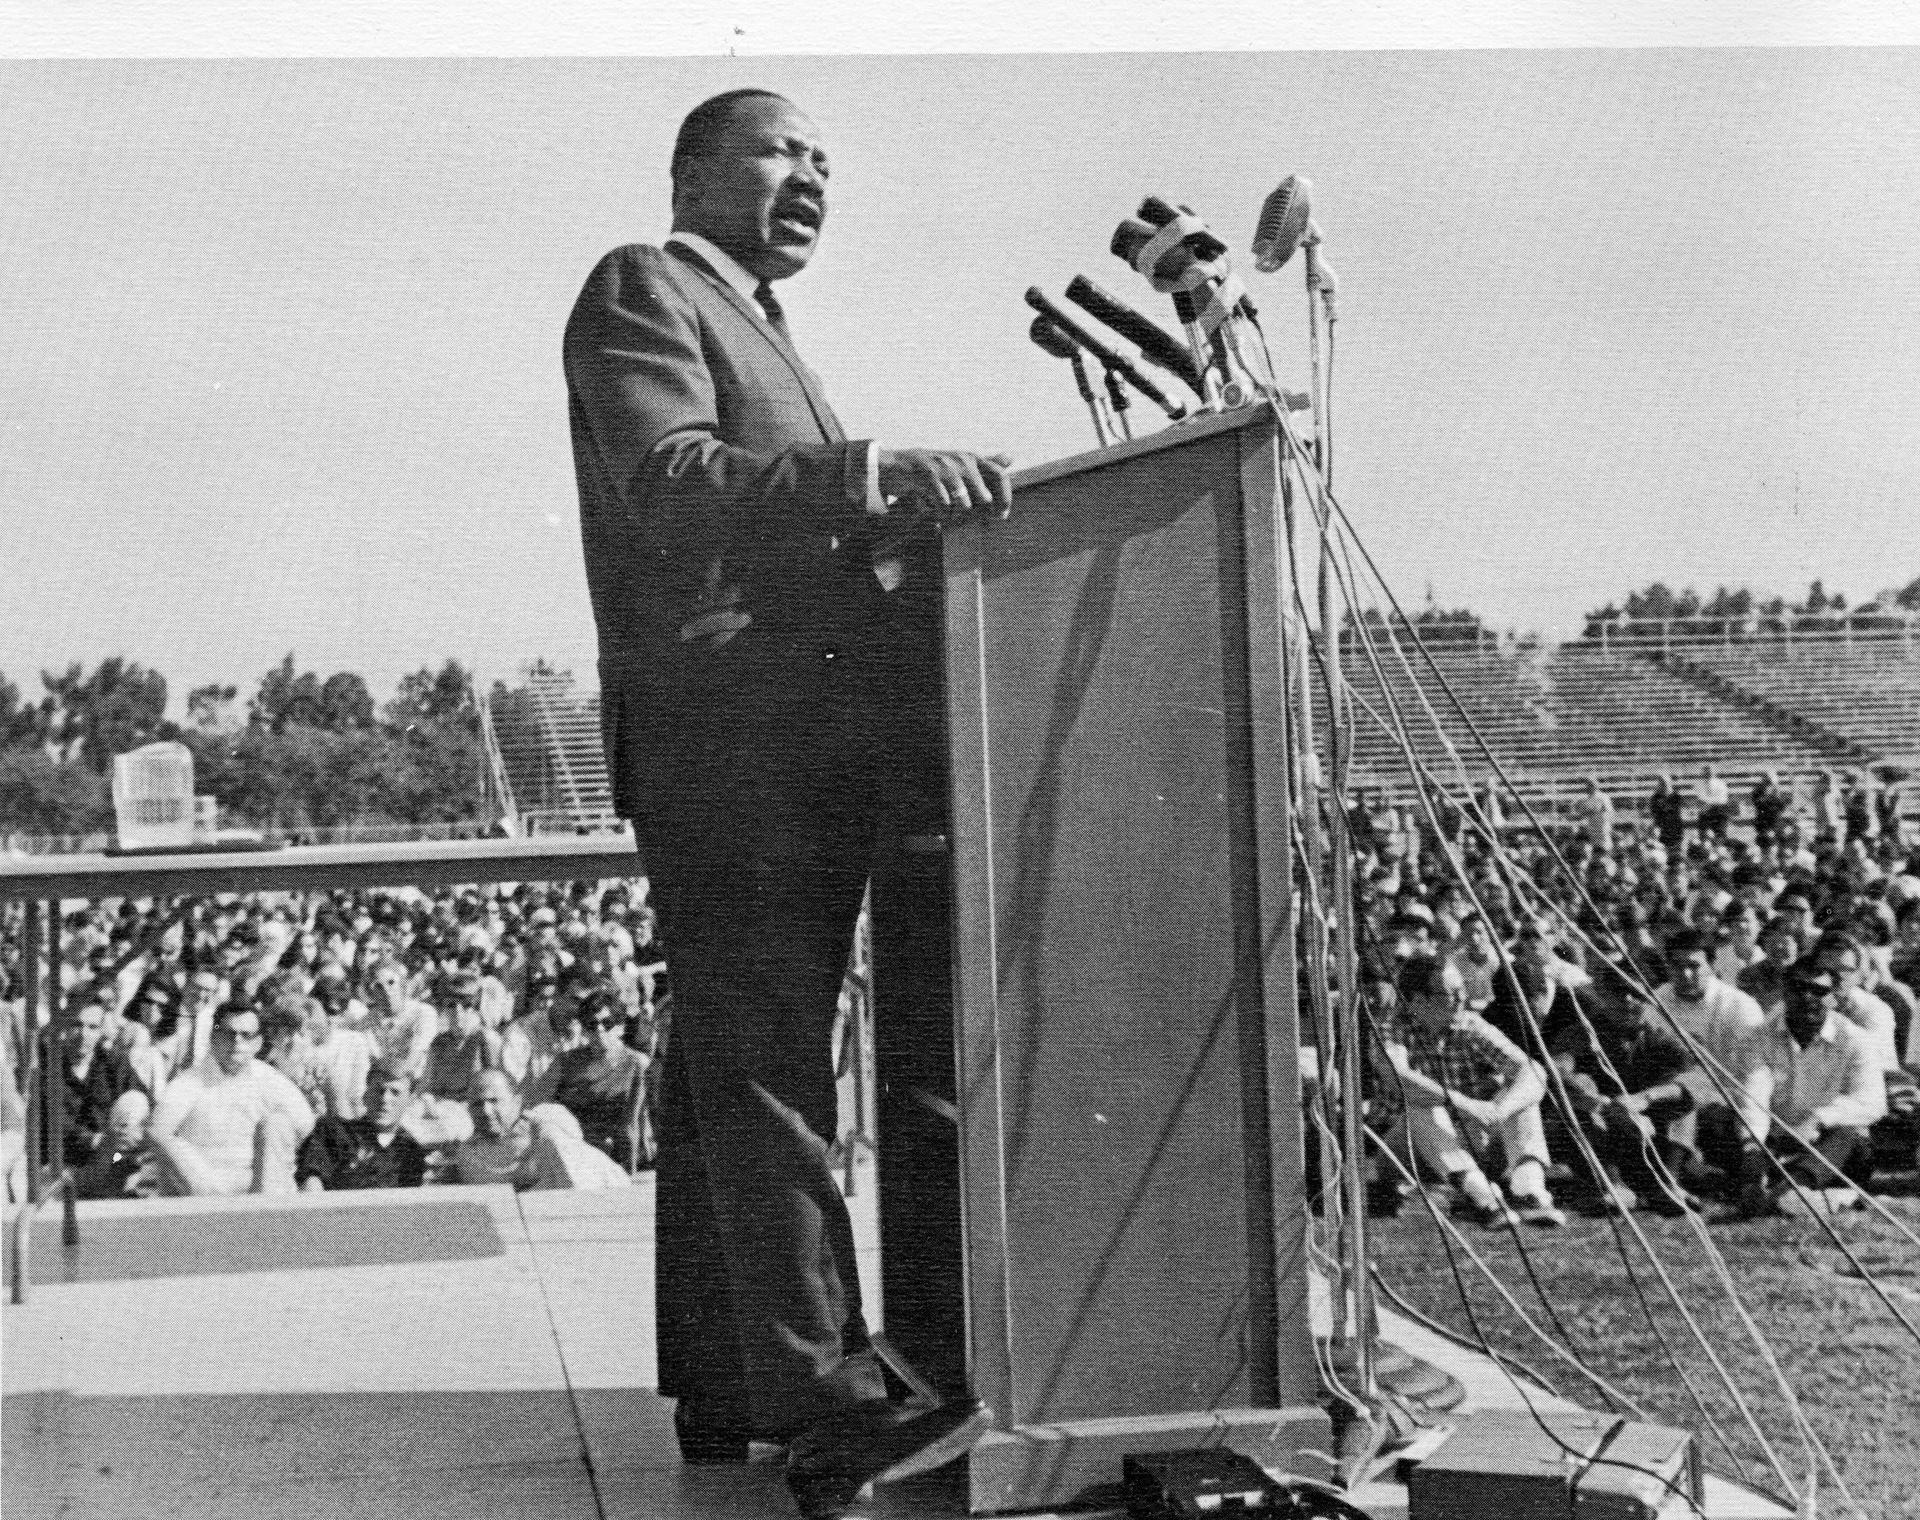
<point x="1645" y="699"/>
<point x="546" y="769"/>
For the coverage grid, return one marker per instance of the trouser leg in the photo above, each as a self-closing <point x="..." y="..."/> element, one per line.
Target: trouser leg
<point x="1847" y="1151"/>
<point x="1437" y="1142"/>
<point x="1524" y="1138"/>
<point x="757" y="1288"/>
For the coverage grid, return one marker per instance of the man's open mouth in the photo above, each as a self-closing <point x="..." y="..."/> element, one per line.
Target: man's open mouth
<point x="798" y="217"/>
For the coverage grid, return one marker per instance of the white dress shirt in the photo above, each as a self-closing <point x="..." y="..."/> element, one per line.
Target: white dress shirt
<point x="1835" y="1080"/>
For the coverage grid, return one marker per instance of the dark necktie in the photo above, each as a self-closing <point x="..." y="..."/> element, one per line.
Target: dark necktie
<point x="768" y="304"/>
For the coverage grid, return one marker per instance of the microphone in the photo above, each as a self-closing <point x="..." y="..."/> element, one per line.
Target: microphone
<point x="1112" y="358"/>
<point x="1283" y="222"/>
<point x="1158" y="213"/>
<point x="1148" y="336"/>
<point x="1053" y="341"/>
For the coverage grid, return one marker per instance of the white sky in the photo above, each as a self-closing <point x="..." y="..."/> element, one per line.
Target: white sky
<point x="282" y="357"/>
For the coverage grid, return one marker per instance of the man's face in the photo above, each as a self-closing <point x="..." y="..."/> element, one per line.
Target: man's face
<point x="202" y="988"/>
<point x="1806" y="1013"/>
<point x="1436" y="1010"/>
<point x="761" y="192"/>
<point x="390" y="989"/>
<point x="127" y="1125"/>
<point x="387" y="1101"/>
<point x="495" y="1105"/>
<point x="1781" y="950"/>
<point x="1691" y="973"/>
<point x="236" y="1041"/>
<point x="1478" y="939"/>
<point x="1843" y="965"/>
<point x="463" y="1013"/>
<point x="87" y="1029"/>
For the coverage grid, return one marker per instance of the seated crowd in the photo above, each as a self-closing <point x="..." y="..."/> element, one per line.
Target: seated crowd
<point x="1646" y="1018"/>
<point x="344" y="1040"/>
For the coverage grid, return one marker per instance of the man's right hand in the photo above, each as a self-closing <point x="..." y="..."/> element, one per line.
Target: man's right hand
<point x="948" y="482"/>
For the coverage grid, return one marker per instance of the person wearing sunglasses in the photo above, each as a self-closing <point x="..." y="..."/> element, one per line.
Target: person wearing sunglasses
<point x="603" y="1082"/>
<point x="231" y="1123"/>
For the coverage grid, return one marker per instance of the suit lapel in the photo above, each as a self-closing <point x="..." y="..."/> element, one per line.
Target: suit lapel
<point x="776" y="340"/>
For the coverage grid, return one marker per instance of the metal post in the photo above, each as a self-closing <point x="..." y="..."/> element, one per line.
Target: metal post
<point x="1340" y="747"/>
<point x="54" y="1066"/>
<point x="20" y="1236"/>
<point x="36" y="1115"/>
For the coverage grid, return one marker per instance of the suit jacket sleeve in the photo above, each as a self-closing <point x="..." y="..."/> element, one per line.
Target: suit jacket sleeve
<point x="640" y="363"/>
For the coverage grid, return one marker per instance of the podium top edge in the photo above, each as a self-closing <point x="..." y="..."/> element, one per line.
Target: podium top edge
<point x="1204" y="425"/>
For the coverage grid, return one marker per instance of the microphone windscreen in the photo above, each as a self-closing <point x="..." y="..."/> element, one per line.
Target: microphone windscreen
<point x="1283" y="222"/>
<point x="1128" y="239"/>
<point x="1050" y="338"/>
<point x="1203" y="243"/>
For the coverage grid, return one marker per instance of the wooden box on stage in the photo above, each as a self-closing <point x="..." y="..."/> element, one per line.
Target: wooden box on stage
<point x="1089" y="1121"/>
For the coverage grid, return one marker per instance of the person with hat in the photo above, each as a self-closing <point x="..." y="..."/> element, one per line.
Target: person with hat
<point x="1824" y="1090"/>
<point x="462" y="1049"/>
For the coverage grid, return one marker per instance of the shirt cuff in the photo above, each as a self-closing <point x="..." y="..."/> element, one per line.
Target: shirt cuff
<point x="889" y="571"/>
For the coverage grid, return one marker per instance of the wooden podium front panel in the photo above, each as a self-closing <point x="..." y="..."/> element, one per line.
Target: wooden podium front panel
<point x="1116" y="903"/>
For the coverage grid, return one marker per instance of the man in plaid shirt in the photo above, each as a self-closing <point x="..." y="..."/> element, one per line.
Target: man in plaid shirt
<point x="1465" y="1083"/>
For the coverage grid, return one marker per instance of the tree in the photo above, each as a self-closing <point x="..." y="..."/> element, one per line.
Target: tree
<point x="1908" y="596"/>
<point x="40" y="796"/>
<point x="21" y="726"/>
<point x="341" y="704"/>
<point x="429" y="696"/>
<point x="92" y="718"/>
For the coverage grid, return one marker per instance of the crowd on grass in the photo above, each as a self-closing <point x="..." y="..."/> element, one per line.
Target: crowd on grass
<point x="1707" y="1004"/>
<point x="334" y="1040"/>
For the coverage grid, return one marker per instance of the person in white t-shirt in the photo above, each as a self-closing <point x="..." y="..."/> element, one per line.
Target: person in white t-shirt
<point x="231" y="1124"/>
<point x="1716" y="809"/>
<point x="1596" y="815"/>
<point x="1730" y="1030"/>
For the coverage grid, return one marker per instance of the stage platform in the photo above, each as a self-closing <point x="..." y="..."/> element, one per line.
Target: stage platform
<point x="465" y="1353"/>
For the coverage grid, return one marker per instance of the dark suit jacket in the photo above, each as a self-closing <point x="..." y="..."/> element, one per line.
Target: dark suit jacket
<point x="709" y="464"/>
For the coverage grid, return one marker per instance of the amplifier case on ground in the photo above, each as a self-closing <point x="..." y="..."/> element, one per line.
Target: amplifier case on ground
<point x="1642" y="1468"/>
<point x="1500" y="1463"/>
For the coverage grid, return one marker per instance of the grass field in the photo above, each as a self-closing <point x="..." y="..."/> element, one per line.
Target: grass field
<point x="1855" y="1370"/>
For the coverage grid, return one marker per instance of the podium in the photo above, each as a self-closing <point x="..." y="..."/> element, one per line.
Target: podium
<point x="1090" y="1155"/>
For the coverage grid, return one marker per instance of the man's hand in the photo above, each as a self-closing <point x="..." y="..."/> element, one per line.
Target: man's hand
<point x="948" y="483"/>
<point x="1481" y="1110"/>
<point x="720" y="622"/>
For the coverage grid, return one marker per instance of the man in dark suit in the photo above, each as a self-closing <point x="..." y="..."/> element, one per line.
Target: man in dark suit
<point x="740" y="556"/>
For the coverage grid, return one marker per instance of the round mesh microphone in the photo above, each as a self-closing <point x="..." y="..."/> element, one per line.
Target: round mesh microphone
<point x="1283" y="222"/>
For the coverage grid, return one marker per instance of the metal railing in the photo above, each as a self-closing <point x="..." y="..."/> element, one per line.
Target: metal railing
<point x="1880" y="631"/>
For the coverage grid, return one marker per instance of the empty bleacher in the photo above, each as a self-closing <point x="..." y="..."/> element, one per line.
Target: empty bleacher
<point x="1555" y="715"/>
<point x="1864" y="690"/>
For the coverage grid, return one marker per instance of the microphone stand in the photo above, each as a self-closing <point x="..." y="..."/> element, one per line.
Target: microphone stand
<point x="1093" y="401"/>
<point x="1117" y="394"/>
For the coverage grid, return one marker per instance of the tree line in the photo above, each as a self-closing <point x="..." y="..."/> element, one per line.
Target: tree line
<point x="1733" y="609"/>
<point x="302" y="753"/>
